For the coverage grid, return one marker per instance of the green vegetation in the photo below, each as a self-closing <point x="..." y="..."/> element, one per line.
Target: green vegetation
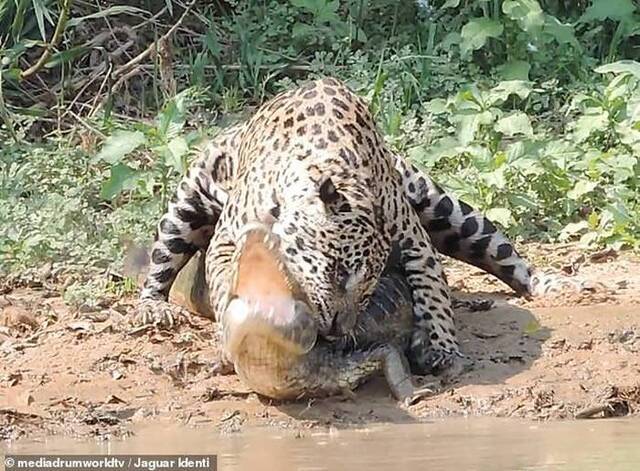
<point x="527" y="109"/>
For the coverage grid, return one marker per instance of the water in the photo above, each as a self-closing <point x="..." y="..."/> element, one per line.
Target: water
<point x="451" y="444"/>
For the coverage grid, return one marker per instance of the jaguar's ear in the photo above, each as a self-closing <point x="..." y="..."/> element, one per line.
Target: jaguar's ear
<point x="327" y="190"/>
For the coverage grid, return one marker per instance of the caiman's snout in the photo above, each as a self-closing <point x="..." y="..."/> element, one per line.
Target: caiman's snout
<point x="266" y="310"/>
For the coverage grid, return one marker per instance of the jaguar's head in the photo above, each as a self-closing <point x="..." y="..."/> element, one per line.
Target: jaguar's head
<point x="331" y="246"/>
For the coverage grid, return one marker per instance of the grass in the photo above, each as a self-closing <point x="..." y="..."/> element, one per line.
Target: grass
<point x="527" y="110"/>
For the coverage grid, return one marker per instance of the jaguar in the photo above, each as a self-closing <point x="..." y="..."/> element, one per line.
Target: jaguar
<point x="312" y="166"/>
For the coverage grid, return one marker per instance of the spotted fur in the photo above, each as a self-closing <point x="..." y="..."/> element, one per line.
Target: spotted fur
<point x="312" y="163"/>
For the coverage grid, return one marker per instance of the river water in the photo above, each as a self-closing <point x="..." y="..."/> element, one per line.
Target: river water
<point x="451" y="444"/>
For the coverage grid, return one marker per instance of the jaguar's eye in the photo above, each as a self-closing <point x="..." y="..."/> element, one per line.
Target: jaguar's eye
<point x="327" y="191"/>
<point x="345" y="207"/>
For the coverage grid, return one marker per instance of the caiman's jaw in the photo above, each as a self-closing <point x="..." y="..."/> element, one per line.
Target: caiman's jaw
<point x="266" y="304"/>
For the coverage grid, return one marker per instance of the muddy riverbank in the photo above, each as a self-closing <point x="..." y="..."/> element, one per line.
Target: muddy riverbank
<point x="85" y="373"/>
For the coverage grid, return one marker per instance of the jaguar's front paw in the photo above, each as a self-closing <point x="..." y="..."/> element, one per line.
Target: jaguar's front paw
<point x="158" y="313"/>
<point x="426" y="358"/>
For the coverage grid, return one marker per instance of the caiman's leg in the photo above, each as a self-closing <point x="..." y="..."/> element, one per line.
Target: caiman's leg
<point x="388" y="323"/>
<point x="325" y="371"/>
<point x="186" y="227"/>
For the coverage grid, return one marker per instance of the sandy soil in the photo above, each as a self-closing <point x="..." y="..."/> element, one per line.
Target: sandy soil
<point x="89" y="373"/>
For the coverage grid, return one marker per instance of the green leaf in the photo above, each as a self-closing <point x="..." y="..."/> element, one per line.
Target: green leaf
<point x="322" y="10"/>
<point x="504" y="89"/>
<point x="212" y="43"/>
<point x="500" y="215"/>
<point x="597" y="119"/>
<point x="118" y="145"/>
<point x="581" y="188"/>
<point x="451" y="4"/>
<point x="39" y="9"/>
<point x="428" y="155"/>
<point x="476" y="33"/>
<point x="468" y="125"/>
<point x="589" y="238"/>
<point x="122" y="178"/>
<point x="178" y="148"/>
<point x="515" y="123"/>
<point x="496" y="180"/>
<point x="561" y="32"/>
<point x="18" y="19"/>
<point x="66" y="56"/>
<point x="617" y="10"/>
<point x="522" y="200"/>
<point x="619" y="213"/>
<point x="515" y="70"/>
<point x="450" y="40"/>
<point x="624" y="166"/>
<point x="572" y="229"/>
<point x="469" y="100"/>
<point x="527" y="13"/>
<point x="172" y="118"/>
<point x="437" y="106"/>
<point x="111" y="11"/>
<point x="621" y="67"/>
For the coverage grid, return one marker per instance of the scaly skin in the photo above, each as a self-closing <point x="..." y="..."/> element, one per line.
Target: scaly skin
<point x="281" y="356"/>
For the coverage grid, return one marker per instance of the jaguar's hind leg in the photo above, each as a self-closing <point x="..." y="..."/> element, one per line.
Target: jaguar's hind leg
<point x="458" y="230"/>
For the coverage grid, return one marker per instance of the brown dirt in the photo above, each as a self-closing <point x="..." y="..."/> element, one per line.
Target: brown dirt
<point x="90" y="374"/>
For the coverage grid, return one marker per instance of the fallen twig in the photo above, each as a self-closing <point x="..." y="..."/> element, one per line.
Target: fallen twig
<point x="590" y="412"/>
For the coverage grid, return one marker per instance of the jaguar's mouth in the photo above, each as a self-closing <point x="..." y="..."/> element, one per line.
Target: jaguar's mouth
<point x="266" y="304"/>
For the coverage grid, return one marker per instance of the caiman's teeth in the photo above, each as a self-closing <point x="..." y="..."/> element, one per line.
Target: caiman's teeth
<point x="234" y="278"/>
<point x="252" y="226"/>
<point x="271" y="246"/>
<point x="271" y="241"/>
<point x="242" y="240"/>
<point x="283" y="270"/>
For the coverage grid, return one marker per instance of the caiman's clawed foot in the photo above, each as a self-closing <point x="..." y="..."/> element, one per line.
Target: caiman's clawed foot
<point x="398" y="374"/>
<point x="158" y="313"/>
